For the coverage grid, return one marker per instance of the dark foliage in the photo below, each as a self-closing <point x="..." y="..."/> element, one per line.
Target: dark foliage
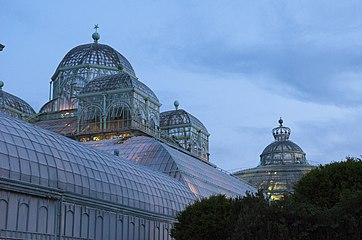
<point x="327" y="204"/>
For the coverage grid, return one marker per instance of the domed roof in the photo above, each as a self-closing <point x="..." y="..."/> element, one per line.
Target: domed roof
<point x="282" y="150"/>
<point x="281" y="146"/>
<point x="178" y="117"/>
<point x="96" y="54"/>
<point x="8" y="100"/>
<point x="115" y="82"/>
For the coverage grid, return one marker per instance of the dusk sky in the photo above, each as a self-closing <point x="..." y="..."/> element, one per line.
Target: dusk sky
<point x="236" y="65"/>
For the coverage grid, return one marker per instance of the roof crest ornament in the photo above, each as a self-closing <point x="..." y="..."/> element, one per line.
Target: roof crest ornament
<point x="281" y="133"/>
<point x="176" y="104"/>
<point x="96" y="35"/>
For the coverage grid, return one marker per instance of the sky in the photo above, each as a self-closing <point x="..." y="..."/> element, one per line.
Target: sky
<point x="238" y="66"/>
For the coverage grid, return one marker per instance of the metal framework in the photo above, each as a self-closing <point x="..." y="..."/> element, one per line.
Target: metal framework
<point x="282" y="164"/>
<point x="52" y="187"/>
<point x="117" y="103"/>
<point x="186" y="130"/>
<point x="79" y="66"/>
<point x="202" y="178"/>
<point x="14" y="106"/>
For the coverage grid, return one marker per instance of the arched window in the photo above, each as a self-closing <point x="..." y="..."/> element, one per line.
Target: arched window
<point x="90" y="120"/>
<point x="118" y="117"/>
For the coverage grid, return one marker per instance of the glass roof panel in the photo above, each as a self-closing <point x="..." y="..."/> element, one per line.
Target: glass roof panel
<point x="95" y="167"/>
<point x="202" y="179"/>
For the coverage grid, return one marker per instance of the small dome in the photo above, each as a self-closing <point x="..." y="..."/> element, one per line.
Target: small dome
<point x="118" y="81"/>
<point x="95" y="54"/>
<point x="180" y="116"/>
<point x="14" y="106"/>
<point x="282" y="150"/>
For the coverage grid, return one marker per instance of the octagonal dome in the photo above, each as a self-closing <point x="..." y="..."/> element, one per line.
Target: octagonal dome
<point x="117" y="82"/>
<point x="180" y="117"/>
<point x="96" y="54"/>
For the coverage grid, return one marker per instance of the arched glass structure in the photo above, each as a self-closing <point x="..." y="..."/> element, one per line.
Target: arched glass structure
<point x="282" y="164"/>
<point x="202" y="178"/>
<point x="117" y="104"/>
<point x="49" y="179"/>
<point x="78" y="67"/>
<point x="14" y="106"/>
<point x="187" y="131"/>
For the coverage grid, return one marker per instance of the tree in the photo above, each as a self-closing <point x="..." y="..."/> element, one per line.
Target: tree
<point x="206" y="219"/>
<point x="326" y="204"/>
<point x="326" y="185"/>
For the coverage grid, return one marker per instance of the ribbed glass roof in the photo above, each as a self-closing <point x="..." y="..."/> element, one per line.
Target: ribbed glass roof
<point x="202" y="178"/>
<point x="93" y="54"/>
<point x="40" y="158"/>
<point x="117" y="82"/>
<point x="15" y="103"/>
<point x="282" y="150"/>
<point x="64" y="126"/>
<point x="179" y="117"/>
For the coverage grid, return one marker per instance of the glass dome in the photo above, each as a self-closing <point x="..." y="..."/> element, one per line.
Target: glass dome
<point x="179" y="117"/>
<point x="96" y="54"/>
<point x="282" y="151"/>
<point x="186" y="130"/>
<point x="80" y="66"/>
<point x="13" y="105"/>
<point x="282" y="164"/>
<point x="117" y="82"/>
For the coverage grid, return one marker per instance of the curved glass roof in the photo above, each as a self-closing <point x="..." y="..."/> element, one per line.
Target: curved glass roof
<point x="40" y="158"/>
<point x="179" y="117"/>
<point x="282" y="150"/>
<point x="118" y="82"/>
<point x="15" y="103"/>
<point x="93" y="54"/>
<point x="202" y="178"/>
<point x="282" y="146"/>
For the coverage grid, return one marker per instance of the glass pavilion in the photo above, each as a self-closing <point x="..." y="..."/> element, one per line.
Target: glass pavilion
<point x="139" y="169"/>
<point x="282" y="164"/>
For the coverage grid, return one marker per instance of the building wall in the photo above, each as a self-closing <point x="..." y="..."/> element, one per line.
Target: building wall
<point x="24" y="216"/>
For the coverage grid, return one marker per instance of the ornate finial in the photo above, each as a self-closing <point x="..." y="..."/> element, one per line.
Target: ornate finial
<point x="1" y="85"/>
<point x="96" y="35"/>
<point x="176" y="104"/>
<point x="281" y="133"/>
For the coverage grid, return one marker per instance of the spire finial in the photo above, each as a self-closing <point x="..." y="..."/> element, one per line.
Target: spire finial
<point x="1" y="85"/>
<point x="96" y="35"/>
<point x="176" y="104"/>
<point x="280" y="122"/>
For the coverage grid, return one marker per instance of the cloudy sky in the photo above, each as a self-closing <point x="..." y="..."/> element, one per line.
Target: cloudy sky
<point x="236" y="65"/>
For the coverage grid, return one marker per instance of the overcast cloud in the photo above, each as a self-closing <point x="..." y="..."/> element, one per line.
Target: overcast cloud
<point x="236" y="65"/>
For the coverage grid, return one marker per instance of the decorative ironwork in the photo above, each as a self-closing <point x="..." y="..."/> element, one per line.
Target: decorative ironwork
<point x="186" y="130"/>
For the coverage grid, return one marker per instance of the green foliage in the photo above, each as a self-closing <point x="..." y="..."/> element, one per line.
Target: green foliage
<point x="324" y="186"/>
<point x="205" y="219"/>
<point x="327" y="204"/>
<point x="257" y="218"/>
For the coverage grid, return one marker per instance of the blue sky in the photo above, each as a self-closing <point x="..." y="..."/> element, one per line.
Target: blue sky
<point x="236" y="65"/>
